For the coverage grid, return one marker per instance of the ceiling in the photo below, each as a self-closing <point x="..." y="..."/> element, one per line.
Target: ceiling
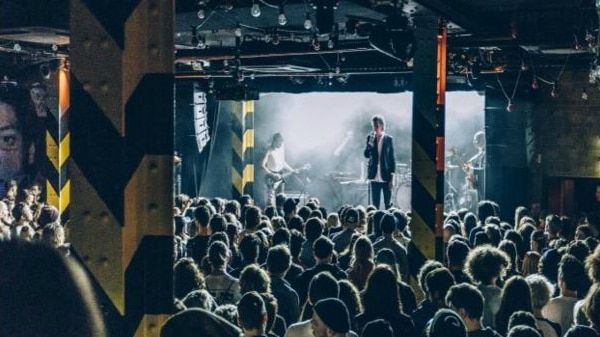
<point x="346" y="42"/>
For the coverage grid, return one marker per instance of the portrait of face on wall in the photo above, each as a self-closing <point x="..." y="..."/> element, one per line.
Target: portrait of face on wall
<point x="21" y="137"/>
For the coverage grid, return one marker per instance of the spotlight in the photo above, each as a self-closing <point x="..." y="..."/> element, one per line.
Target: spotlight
<point x="584" y="95"/>
<point x="201" y="43"/>
<point x="510" y="107"/>
<point x="54" y="47"/>
<point x="535" y="84"/>
<point x="524" y="66"/>
<point x="238" y="30"/>
<point x="315" y="43"/>
<point x="554" y="92"/>
<point x="201" y="14"/>
<point x="330" y="44"/>
<point x="255" y="10"/>
<point x="45" y="71"/>
<point x="343" y="79"/>
<point x="17" y="47"/>
<point x="275" y="40"/>
<point x="281" y="18"/>
<point x="308" y="23"/>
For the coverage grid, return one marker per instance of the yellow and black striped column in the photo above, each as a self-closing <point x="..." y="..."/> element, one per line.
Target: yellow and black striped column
<point x="428" y="143"/>
<point x="58" y="149"/>
<point x="121" y="120"/>
<point x="242" y="141"/>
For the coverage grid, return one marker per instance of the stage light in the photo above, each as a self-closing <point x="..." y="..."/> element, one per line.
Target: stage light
<point x="330" y="44"/>
<point x="308" y="23"/>
<point x="201" y="14"/>
<point x="554" y="92"/>
<point x="315" y="43"/>
<point x="275" y="39"/>
<point x="510" y="107"/>
<point x="535" y="84"/>
<point x="255" y="10"/>
<point x="17" y="47"/>
<point x="45" y="70"/>
<point x="281" y="18"/>
<point x="584" y="95"/>
<point x="238" y="30"/>
<point x="524" y="66"/>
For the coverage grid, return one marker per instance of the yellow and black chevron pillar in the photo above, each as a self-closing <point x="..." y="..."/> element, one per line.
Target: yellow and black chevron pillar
<point x="242" y="147"/>
<point x="58" y="149"/>
<point x="428" y="143"/>
<point x="121" y="121"/>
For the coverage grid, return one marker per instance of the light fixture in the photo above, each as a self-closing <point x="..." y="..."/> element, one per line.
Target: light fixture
<point x="275" y="39"/>
<point x="315" y="43"/>
<point x="554" y="92"/>
<point x="45" y="70"/>
<point x="255" y="9"/>
<point x="535" y="84"/>
<point x="197" y="40"/>
<point x="201" y="9"/>
<point x="510" y="107"/>
<point x="238" y="30"/>
<point x="308" y="23"/>
<point x="584" y="94"/>
<point x="281" y="18"/>
<point x="330" y="44"/>
<point x="17" y="47"/>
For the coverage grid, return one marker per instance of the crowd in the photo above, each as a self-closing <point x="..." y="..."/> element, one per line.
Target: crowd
<point x="299" y="270"/>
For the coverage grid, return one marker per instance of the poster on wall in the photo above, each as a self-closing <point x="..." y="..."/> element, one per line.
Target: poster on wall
<point x="200" y="118"/>
<point x="23" y="115"/>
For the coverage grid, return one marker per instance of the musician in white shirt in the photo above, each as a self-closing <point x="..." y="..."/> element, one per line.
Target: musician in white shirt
<point x="275" y="167"/>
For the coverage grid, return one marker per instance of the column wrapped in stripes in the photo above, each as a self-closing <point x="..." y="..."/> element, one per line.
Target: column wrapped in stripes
<point x="121" y="167"/>
<point x="237" y="150"/>
<point x="248" y="148"/>
<point x="58" y="147"/>
<point x="428" y="117"/>
<point x="440" y="135"/>
<point x="242" y="148"/>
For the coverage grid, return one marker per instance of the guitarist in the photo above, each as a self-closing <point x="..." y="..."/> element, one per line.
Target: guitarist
<point x="275" y="167"/>
<point x="475" y="166"/>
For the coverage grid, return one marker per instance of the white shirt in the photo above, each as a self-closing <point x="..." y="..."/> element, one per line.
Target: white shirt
<point x="276" y="159"/>
<point x="379" y="141"/>
<point x="560" y="310"/>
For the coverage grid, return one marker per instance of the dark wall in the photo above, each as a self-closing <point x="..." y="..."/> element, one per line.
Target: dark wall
<point x="507" y="168"/>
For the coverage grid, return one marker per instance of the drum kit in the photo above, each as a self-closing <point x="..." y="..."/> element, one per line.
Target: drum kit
<point x="456" y="193"/>
<point x="464" y="196"/>
<point x="402" y="191"/>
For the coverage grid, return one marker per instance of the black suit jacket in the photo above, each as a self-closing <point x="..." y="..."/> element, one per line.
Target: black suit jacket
<point x="388" y="159"/>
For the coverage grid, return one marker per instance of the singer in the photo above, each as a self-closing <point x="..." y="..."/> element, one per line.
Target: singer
<point x="381" y="164"/>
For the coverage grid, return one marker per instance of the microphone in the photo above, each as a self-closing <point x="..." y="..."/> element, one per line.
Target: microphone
<point x="372" y="139"/>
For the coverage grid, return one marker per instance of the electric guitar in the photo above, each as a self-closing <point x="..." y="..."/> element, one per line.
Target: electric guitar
<point x="273" y="180"/>
<point x="470" y="178"/>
